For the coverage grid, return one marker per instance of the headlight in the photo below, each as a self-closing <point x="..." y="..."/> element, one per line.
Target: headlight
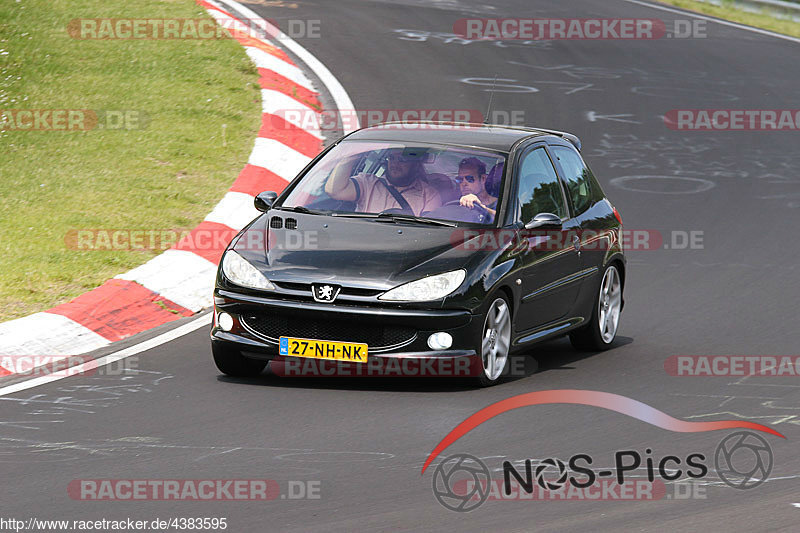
<point x="430" y="288"/>
<point x="240" y="272"/>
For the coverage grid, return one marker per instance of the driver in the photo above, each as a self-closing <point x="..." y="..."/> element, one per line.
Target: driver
<point x="404" y="187"/>
<point x="472" y="180"/>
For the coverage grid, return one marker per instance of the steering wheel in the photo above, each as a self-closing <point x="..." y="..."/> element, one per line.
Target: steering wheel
<point x="474" y="206"/>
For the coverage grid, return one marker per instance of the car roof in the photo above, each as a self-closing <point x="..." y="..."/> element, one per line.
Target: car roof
<point x="488" y="136"/>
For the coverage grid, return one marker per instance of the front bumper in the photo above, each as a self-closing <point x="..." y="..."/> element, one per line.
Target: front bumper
<point x="260" y="320"/>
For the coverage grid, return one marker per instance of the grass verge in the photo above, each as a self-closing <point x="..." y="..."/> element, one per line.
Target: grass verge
<point x="199" y="102"/>
<point x="729" y="11"/>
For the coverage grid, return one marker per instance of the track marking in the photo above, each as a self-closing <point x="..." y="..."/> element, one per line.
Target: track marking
<point x="149" y="344"/>
<point x="718" y="21"/>
<point x="592" y="116"/>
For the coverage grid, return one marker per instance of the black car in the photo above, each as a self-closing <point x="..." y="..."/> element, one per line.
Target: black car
<point x="412" y="243"/>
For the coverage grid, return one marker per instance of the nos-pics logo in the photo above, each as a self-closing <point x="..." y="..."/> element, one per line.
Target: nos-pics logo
<point x="462" y="482"/>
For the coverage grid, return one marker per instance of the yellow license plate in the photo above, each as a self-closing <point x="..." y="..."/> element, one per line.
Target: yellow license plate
<point x="316" y="349"/>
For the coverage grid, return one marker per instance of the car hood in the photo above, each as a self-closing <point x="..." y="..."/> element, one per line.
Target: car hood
<point x="354" y="252"/>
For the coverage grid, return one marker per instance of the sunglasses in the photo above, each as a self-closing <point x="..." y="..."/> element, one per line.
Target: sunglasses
<point x="470" y="179"/>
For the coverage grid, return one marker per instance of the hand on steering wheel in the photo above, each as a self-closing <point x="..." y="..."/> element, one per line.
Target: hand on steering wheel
<point x="479" y="206"/>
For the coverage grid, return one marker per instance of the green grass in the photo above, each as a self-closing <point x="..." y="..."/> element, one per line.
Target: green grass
<point x="728" y="11"/>
<point x="168" y="175"/>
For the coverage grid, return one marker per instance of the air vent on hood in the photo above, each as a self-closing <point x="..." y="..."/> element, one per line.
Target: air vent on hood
<point x="291" y="223"/>
<point x="276" y="223"/>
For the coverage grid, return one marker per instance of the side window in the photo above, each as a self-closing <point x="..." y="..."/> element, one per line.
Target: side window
<point x="539" y="189"/>
<point x="578" y="178"/>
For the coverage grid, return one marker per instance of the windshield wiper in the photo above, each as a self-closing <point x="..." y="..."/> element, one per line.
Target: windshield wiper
<point x="354" y="215"/>
<point x="299" y="209"/>
<point x="392" y="217"/>
<point x="410" y="218"/>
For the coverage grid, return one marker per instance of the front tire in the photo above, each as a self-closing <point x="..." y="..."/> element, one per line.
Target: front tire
<point x="601" y="331"/>
<point x="231" y="362"/>
<point x="495" y="342"/>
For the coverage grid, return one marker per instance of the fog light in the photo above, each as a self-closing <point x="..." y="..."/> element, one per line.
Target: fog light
<point x="440" y="341"/>
<point x="225" y="321"/>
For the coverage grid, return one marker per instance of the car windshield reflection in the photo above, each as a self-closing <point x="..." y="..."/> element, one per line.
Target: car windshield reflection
<point x="415" y="182"/>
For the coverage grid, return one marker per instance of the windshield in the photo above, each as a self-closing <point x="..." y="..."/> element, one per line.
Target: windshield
<point x="359" y="178"/>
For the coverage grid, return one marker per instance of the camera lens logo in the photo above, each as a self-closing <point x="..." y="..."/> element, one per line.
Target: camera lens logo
<point x="463" y="470"/>
<point x="544" y="466"/>
<point x="743" y="460"/>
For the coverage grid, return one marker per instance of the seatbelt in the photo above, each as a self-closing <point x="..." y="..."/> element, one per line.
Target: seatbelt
<point x="397" y="196"/>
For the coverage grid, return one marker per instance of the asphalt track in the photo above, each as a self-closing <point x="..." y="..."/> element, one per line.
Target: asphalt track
<point x="174" y="416"/>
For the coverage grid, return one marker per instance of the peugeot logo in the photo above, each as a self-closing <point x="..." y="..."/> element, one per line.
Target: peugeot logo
<point x="324" y="293"/>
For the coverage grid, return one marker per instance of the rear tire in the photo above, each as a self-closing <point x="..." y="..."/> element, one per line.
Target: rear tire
<point x="600" y="332"/>
<point x="231" y="362"/>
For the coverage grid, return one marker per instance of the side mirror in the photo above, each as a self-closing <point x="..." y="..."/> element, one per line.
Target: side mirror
<point x="264" y="200"/>
<point x="544" y="221"/>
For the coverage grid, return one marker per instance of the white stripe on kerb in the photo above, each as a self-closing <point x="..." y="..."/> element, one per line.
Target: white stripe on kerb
<point x="278" y="65"/>
<point x="47" y="334"/>
<point x="183" y="277"/>
<point x="149" y="344"/>
<point x="278" y="158"/>
<point x="235" y="210"/>
<point x="292" y="111"/>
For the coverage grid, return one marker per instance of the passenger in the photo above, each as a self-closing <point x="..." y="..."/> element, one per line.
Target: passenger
<point x="472" y="180"/>
<point x="404" y="187"/>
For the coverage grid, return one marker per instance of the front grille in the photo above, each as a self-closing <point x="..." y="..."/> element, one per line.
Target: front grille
<point x="376" y="336"/>
<point x="346" y="291"/>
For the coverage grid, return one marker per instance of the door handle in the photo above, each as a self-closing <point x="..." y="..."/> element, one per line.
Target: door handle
<point x="576" y="241"/>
